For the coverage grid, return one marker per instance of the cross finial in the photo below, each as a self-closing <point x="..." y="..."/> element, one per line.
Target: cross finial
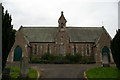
<point x="61" y="12"/>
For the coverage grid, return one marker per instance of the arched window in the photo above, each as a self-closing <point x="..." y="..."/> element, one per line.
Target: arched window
<point x="82" y="50"/>
<point x="48" y="49"/>
<point x="35" y="49"/>
<point x="74" y="49"/>
<point x="87" y="51"/>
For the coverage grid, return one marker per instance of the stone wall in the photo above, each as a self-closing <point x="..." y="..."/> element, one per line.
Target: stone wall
<point x="21" y="42"/>
<point x="85" y="49"/>
<point x="104" y="40"/>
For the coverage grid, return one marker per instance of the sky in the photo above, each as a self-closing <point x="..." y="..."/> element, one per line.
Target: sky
<point x="78" y="13"/>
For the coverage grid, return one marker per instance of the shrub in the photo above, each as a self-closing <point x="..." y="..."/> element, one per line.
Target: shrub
<point x="77" y="57"/>
<point x="59" y="57"/>
<point x="61" y="61"/>
<point x="84" y="60"/>
<point x="41" y="61"/>
<point x="47" y="56"/>
<point x="69" y="57"/>
<point x="73" y="58"/>
<point x="87" y="60"/>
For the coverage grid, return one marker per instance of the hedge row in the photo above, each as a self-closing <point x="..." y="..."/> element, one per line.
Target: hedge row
<point x="48" y="58"/>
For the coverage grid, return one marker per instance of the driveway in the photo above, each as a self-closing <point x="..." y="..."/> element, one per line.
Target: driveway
<point x="63" y="70"/>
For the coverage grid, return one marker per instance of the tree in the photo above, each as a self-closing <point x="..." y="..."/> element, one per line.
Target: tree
<point x="8" y="36"/>
<point x="115" y="48"/>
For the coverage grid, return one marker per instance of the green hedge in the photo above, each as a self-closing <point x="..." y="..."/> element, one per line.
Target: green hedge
<point x="40" y="61"/>
<point x="73" y="58"/>
<point x="87" y="60"/>
<point x="48" y="58"/>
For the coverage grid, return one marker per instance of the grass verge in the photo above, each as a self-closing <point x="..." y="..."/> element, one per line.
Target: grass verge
<point x="103" y="72"/>
<point x="16" y="70"/>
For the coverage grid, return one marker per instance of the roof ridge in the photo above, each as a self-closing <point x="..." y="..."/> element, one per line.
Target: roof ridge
<point x="81" y="27"/>
<point x="40" y="27"/>
<point x="58" y="27"/>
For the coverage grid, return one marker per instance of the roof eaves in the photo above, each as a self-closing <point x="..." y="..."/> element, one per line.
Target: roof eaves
<point x="26" y="39"/>
<point x="82" y="41"/>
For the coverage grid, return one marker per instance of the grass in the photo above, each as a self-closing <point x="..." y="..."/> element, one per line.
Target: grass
<point x="103" y="72"/>
<point x="32" y="73"/>
<point x="16" y="70"/>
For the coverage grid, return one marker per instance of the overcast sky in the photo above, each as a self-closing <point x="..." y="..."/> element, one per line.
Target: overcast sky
<point x="79" y="13"/>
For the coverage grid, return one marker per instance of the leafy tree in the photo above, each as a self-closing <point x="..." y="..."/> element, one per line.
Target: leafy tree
<point x="8" y="36"/>
<point x="115" y="48"/>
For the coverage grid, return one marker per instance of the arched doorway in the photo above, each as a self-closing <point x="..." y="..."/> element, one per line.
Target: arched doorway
<point x="17" y="53"/>
<point x="105" y="55"/>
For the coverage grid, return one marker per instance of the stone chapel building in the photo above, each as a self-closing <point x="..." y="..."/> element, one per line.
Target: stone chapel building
<point x="60" y="40"/>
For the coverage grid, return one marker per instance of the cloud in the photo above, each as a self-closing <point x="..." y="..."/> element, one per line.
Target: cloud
<point x="77" y="12"/>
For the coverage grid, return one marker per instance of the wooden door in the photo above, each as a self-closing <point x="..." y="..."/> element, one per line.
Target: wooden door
<point x="17" y="53"/>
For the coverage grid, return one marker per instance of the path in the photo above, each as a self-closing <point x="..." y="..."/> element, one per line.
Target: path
<point x="63" y="70"/>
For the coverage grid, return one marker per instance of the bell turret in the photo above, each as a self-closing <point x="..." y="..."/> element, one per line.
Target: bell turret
<point x="62" y="21"/>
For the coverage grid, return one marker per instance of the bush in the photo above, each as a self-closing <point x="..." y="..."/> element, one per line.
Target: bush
<point x="77" y="57"/>
<point x="69" y="57"/>
<point x="37" y="59"/>
<point x="47" y="56"/>
<point x="73" y="58"/>
<point x="41" y="61"/>
<point x="59" y="57"/>
<point x="87" y="60"/>
<point x="61" y="61"/>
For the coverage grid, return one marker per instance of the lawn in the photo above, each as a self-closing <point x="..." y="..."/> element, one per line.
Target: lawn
<point x="16" y="70"/>
<point x="103" y="72"/>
